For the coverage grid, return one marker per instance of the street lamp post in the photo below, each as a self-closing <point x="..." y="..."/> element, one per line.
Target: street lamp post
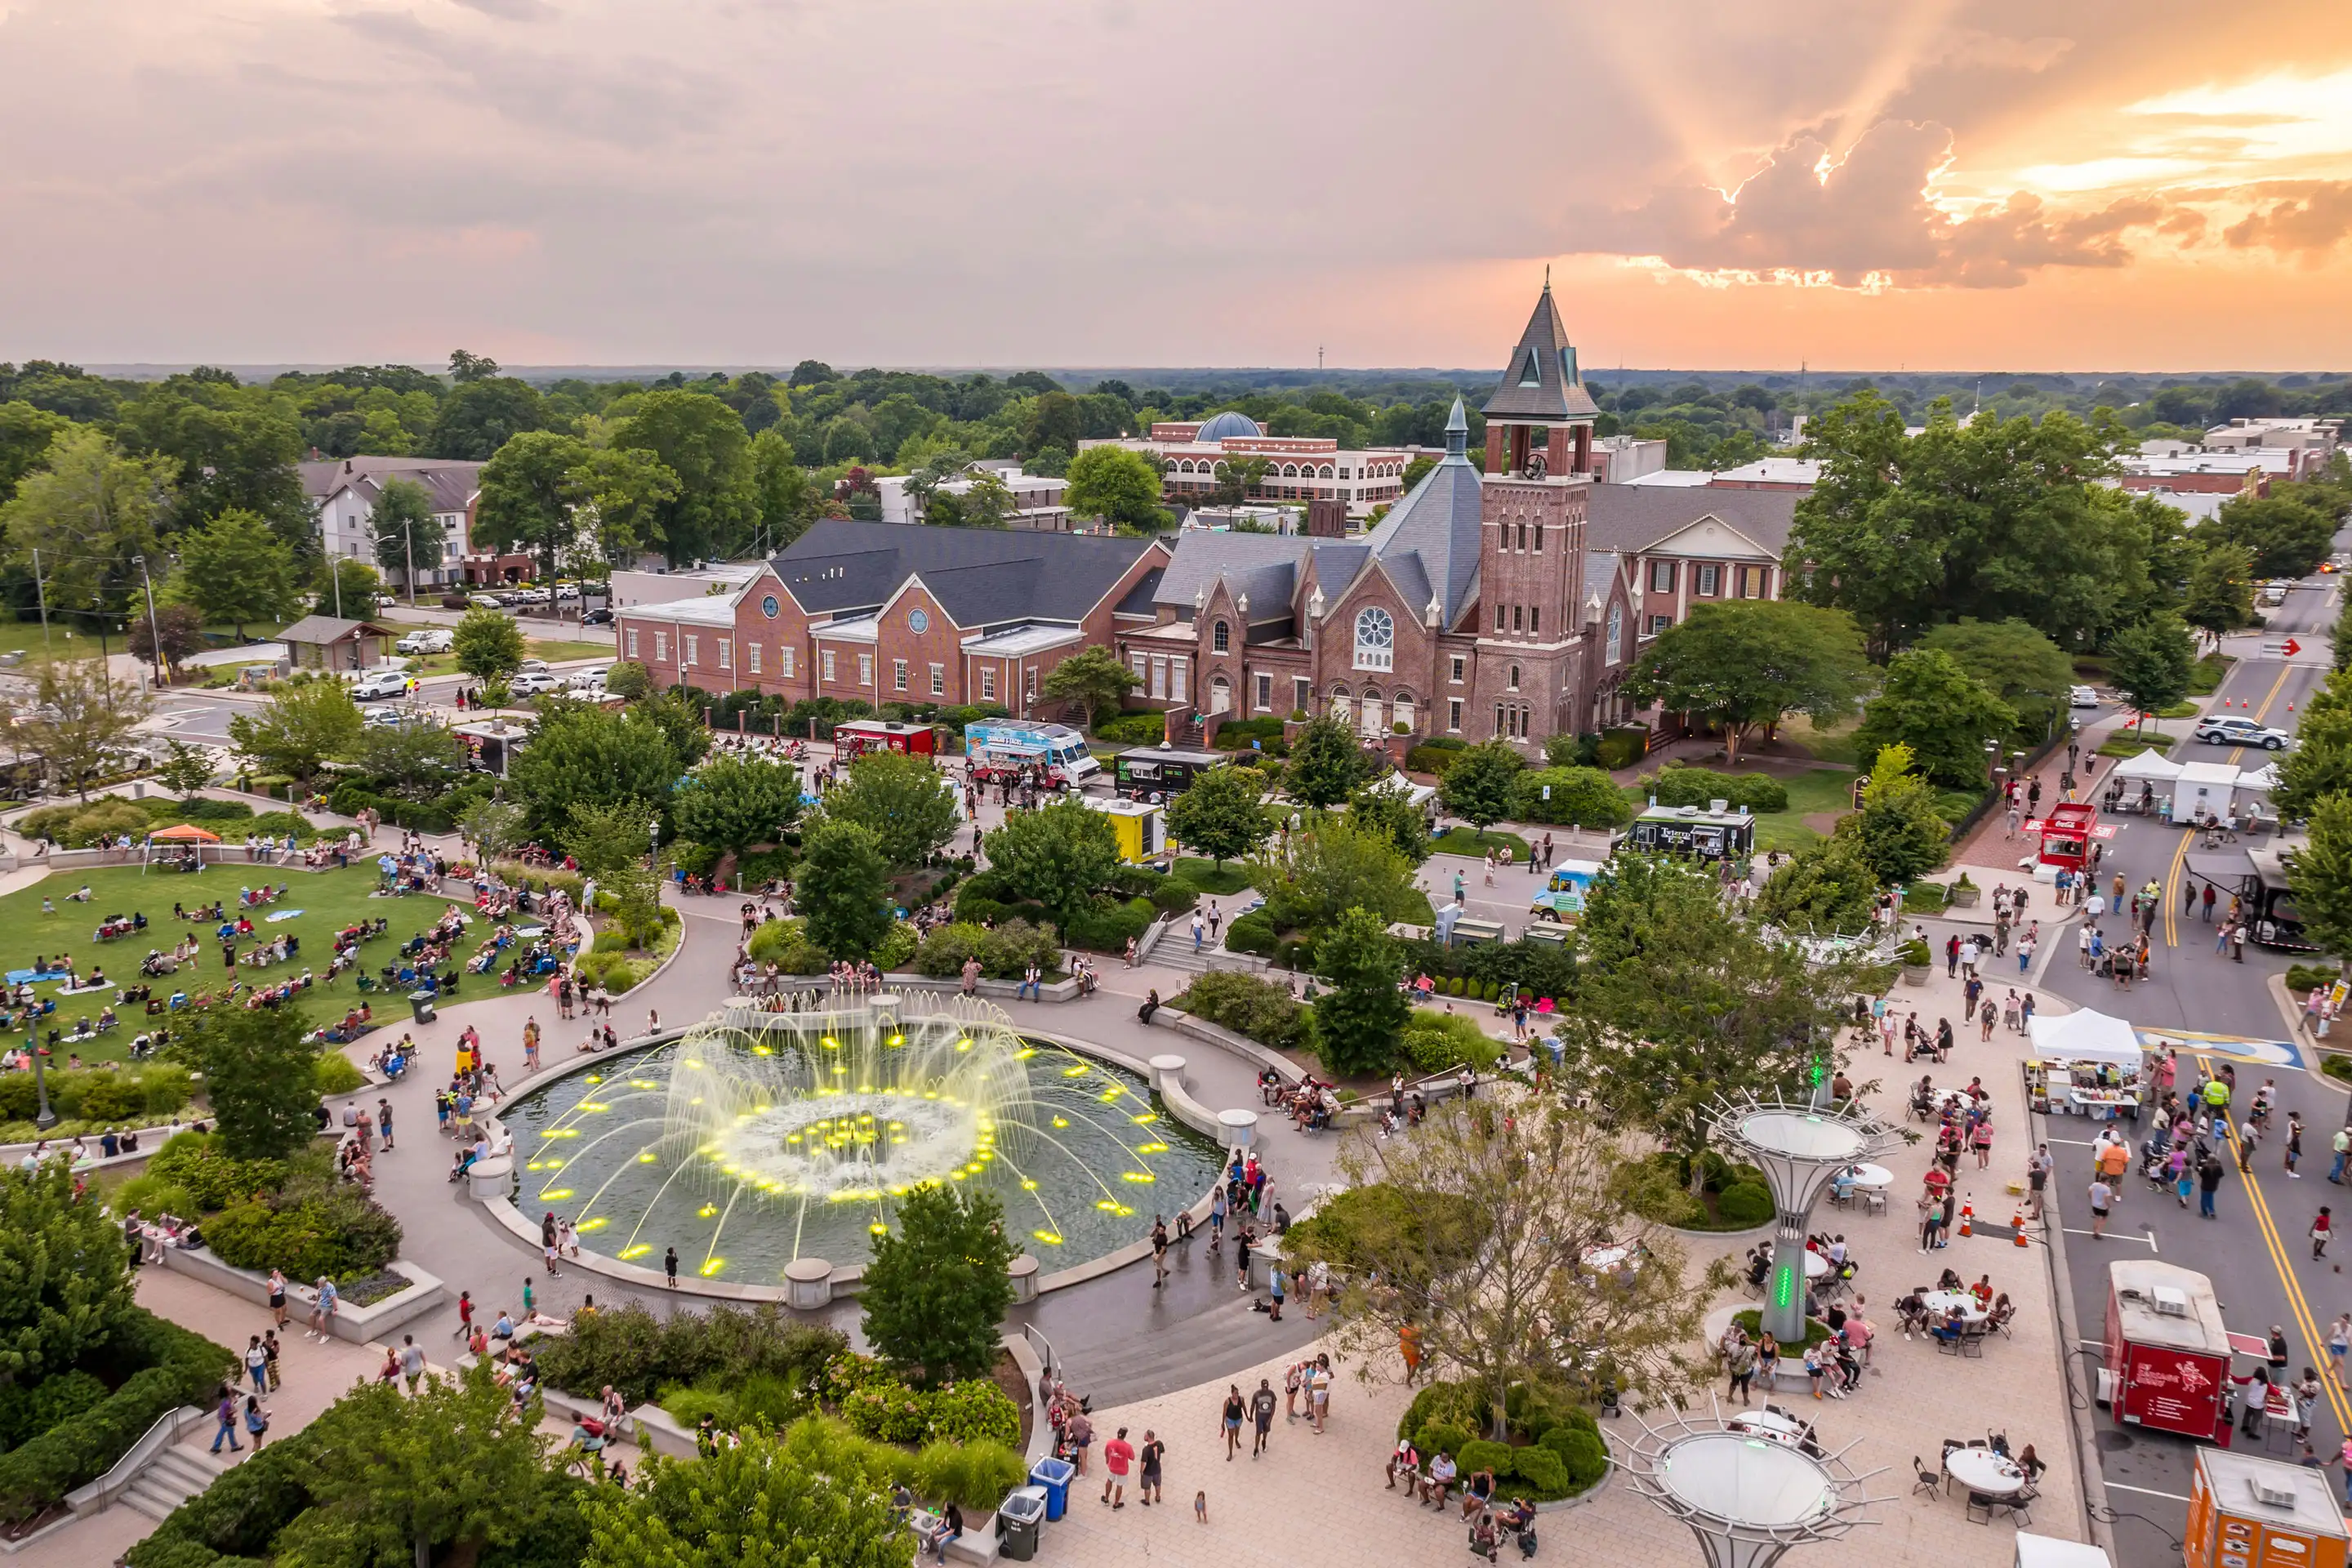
<point x="154" y="634"/>
<point x="43" y="1118"/>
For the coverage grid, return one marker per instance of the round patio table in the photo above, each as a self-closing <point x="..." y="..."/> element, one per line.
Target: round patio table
<point x="1984" y="1472"/>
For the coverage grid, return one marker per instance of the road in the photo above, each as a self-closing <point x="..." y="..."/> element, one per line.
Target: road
<point x="2256" y="1253"/>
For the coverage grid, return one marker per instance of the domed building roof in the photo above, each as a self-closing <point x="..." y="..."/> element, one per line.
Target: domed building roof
<point x="1220" y="426"/>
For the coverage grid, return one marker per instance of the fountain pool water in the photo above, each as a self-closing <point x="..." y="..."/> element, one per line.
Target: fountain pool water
<point x="758" y="1138"/>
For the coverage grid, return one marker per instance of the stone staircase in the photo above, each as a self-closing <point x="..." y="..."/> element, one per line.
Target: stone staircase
<point x="1214" y="1343"/>
<point x="175" y="1474"/>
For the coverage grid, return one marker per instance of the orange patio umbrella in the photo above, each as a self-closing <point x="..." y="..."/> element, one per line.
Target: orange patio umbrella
<point x="185" y="834"/>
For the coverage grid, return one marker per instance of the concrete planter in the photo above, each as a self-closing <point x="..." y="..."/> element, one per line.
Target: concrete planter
<point x="1917" y="973"/>
<point x="360" y="1325"/>
<point x="1963" y="898"/>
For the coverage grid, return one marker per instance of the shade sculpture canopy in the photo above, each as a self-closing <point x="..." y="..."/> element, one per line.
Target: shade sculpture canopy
<point x="1798" y="1147"/>
<point x="1746" y="1497"/>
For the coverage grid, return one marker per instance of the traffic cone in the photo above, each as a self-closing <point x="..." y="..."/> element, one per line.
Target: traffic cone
<point x="1967" y="1215"/>
<point x="2017" y="1224"/>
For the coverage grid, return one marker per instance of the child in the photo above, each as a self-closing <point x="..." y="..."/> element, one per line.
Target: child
<point x="1201" y="1507"/>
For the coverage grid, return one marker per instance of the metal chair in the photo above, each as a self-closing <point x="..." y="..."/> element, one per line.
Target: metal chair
<point x="1924" y="1479"/>
<point x="1972" y="1345"/>
<point x="1980" y="1500"/>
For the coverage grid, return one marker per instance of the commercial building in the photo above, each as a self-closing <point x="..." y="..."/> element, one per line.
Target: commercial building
<point x="1035" y="499"/>
<point x="1194" y="456"/>
<point x="1690" y="545"/>
<point x="883" y="612"/>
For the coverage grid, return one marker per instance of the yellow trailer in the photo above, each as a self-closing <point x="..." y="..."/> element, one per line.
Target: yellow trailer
<point x="1142" y="830"/>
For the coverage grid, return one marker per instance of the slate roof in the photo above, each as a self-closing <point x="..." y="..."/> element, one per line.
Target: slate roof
<point x="1439" y="522"/>
<point x="1632" y="517"/>
<point x="450" y="481"/>
<point x="1542" y="382"/>
<point x="1139" y="598"/>
<point x="1600" y="567"/>
<point x="981" y="577"/>
<point x="328" y="629"/>
<point x="1262" y="565"/>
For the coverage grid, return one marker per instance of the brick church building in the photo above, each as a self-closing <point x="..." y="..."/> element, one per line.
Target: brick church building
<point x="1472" y="609"/>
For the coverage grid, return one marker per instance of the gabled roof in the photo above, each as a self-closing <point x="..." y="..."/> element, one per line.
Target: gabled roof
<point x="981" y="577"/>
<point x="1542" y="382"/>
<point x="452" y="483"/>
<point x="1439" y="522"/>
<point x="1633" y="518"/>
<point x="1139" y="598"/>
<point x="328" y="629"/>
<point x="1262" y="565"/>
<point x="1599" y="568"/>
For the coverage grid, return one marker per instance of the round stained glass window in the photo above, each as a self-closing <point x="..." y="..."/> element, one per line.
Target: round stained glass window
<point x="768" y="606"/>
<point x="917" y="622"/>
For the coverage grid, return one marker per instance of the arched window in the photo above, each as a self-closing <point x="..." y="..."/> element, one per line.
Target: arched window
<point x="1515" y="677"/>
<point x="1289" y="470"/>
<point x="1222" y="640"/>
<point x="1325" y="471"/>
<point x="1616" y="633"/>
<point x="1375" y="639"/>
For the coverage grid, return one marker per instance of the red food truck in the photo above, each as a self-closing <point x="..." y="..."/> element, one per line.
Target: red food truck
<point x="2067" y="829"/>
<point x="859" y="736"/>
<point x="2167" y="1352"/>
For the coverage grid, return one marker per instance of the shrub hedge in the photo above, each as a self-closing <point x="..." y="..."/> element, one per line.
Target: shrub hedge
<point x="1108" y="924"/>
<point x="1005" y="952"/>
<point x="1697" y="787"/>
<point x="636" y="1353"/>
<point x="104" y="1094"/>
<point x="1253" y="932"/>
<point x="155" y="1366"/>
<point x="1259" y="1009"/>
<point x="784" y="943"/>
<point x="1236" y="735"/>
<point x="1433" y="756"/>
<point x="1435" y="1041"/>
<point x="1133" y="730"/>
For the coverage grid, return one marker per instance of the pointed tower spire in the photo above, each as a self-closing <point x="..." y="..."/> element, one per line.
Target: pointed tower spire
<point x="1542" y="383"/>
<point x="1457" y="432"/>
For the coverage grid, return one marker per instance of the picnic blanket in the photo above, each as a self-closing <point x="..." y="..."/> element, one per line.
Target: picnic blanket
<point x="84" y="990"/>
<point x="19" y="976"/>
<point x="284" y="914"/>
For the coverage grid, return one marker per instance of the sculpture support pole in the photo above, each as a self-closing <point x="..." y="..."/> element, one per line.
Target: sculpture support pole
<point x="1784" y="1295"/>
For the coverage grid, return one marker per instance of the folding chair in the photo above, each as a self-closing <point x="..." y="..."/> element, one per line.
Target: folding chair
<point x="1980" y="1500"/>
<point x="1924" y="1479"/>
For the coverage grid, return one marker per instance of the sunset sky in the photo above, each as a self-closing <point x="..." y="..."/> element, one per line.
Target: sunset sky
<point x="2061" y="184"/>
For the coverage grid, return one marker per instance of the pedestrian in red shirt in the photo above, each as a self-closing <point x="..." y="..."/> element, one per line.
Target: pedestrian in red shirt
<point x="1118" y="1454"/>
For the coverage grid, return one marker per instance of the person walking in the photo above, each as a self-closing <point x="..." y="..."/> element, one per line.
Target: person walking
<point x="257" y="1422"/>
<point x="1262" y="1404"/>
<point x="465" y="1314"/>
<point x="278" y="1288"/>
<point x="383" y="1122"/>
<point x="1159" y="1252"/>
<point x="1231" y="1418"/>
<point x="2323" y="1231"/>
<point x="412" y="1362"/>
<point x="1118" y="1453"/>
<point x="226" y="1413"/>
<point x="2293" y="1143"/>
<point x="2209" y="1182"/>
<point x="256" y="1365"/>
<point x="2102" y="1197"/>
<point x="1739" y="1361"/>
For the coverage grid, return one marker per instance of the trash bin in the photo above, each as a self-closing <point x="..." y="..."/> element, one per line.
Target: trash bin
<point x="420" y="1003"/>
<point x="1018" y="1520"/>
<point x="1054" y="1475"/>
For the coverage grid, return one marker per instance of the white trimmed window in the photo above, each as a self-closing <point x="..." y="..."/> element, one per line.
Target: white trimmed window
<point x="897" y="675"/>
<point x="1375" y="639"/>
<point x="939" y="681"/>
<point x="693" y="647"/>
<point x="1616" y="650"/>
<point x="784" y="661"/>
<point x="725" y="653"/>
<point x="988" y="683"/>
<point x="865" y="670"/>
<point x="633" y="642"/>
<point x="751" y="657"/>
<point x="825" y="663"/>
<point x="661" y="648"/>
<point x="1453" y="714"/>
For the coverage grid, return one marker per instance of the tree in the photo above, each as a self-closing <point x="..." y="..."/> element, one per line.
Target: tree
<point x="756" y="1503"/>
<point x="235" y="569"/>
<point x="906" y="803"/>
<point x="407" y="539"/>
<point x="527" y="493"/>
<point x="988" y="504"/>
<point x="418" y="759"/>
<point x="1944" y="714"/>
<point x="234" y="449"/>
<point x="185" y="769"/>
<point x="1824" y="890"/>
<point x="582" y="756"/>
<point x="2015" y="663"/>
<point x="624" y="490"/>
<point x="843" y="888"/>
<point x="482" y="414"/>
<point x="2287" y="533"/>
<point x="2152" y="661"/>
<point x="629" y="679"/>
<point x="179" y="627"/>
<point x="1898" y="830"/>
<point x="1473" y="1234"/>
<point x="1239" y="477"/>
<point x="436" y="1475"/>
<point x="1681" y="1000"/>
<point x="1092" y="677"/>
<point x="1482" y="787"/>
<point x="26" y="433"/>
<point x="1327" y="764"/>
<point x="1357" y="1021"/>
<point x="349" y="588"/>
<point x="496" y="828"/>
<point x="1996" y="518"/>
<point x="306" y="724"/>
<point x="733" y="802"/>
<point x="787" y="500"/>
<point x="2320" y="763"/>
<point x="607" y="837"/>
<point x="1222" y="814"/>
<point x="1057" y="856"/>
<point x="1749" y="663"/>
<point x="2321" y="870"/>
<point x="2219" y="596"/>
<point x="1580" y="797"/>
<point x="88" y="511"/>
<point x="1388" y="812"/>
<point x="487" y="645"/>
<point x="702" y="441"/>
<point x="259" y="1070"/>
<point x="80" y="720"/>
<point x="937" y="1287"/>
<point x="65" y="1281"/>
<point x="1314" y="877"/>
<point x="1117" y="485"/>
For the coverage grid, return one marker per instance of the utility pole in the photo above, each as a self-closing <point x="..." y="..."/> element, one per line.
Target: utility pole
<point x="41" y="593"/>
<point x="408" y="531"/>
<point x="335" y="570"/>
<point x="155" y="633"/>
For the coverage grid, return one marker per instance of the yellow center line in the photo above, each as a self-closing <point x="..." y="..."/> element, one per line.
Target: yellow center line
<point x="2180" y="855"/>
<point x="2314" y="1342"/>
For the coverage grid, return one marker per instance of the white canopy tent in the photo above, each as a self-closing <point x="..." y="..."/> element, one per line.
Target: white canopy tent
<point x="2086" y="1036"/>
<point x="2151" y="765"/>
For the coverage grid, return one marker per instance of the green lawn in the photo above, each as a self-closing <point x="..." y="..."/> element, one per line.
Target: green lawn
<point x="70" y="638"/>
<point x="1813" y="791"/>
<point x="1205" y="875"/>
<point x="329" y="900"/>
<point x="1459" y="840"/>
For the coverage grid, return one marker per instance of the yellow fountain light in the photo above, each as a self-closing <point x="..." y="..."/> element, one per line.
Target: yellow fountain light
<point x="1078" y="1071"/>
<point x="647" y="1158"/>
<point x="1061" y="1121"/>
<point x="878" y="1228"/>
<point x="593" y="1078"/>
<point x="762" y="1051"/>
<point x="1141" y="1177"/>
<point x="1024" y="1052"/>
<point x="712" y="1266"/>
<point x="552" y="1164"/>
<point x="1027" y="1185"/>
<point x="1145" y="1119"/>
<point x="1151" y="1148"/>
<point x="599" y="1223"/>
<point x="1049" y="1238"/>
<point x="930" y="1094"/>
<point x="831" y="1044"/>
<point x="706" y="1211"/>
<point x="1113" y="1092"/>
<point x="536" y="1166"/>
<point x="636" y="1250"/>
<point x="643" y="1083"/>
<point x="957" y="1175"/>
<point x="901" y="1039"/>
<point x="900" y="1192"/>
<point x="552" y="1194"/>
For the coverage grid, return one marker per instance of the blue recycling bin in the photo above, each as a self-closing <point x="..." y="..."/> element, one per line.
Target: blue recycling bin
<point x="1054" y="1475"/>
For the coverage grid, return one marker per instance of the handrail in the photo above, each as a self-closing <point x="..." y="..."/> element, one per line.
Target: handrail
<point x="1041" y="1345"/>
<point x="136" y="1457"/>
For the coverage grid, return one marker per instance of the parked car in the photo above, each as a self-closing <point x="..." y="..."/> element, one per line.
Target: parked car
<point x="533" y="684"/>
<point x="589" y="680"/>
<point x="2083" y="697"/>
<point x="531" y="666"/>
<point x="382" y="716"/>
<point x="378" y="684"/>
<point x="597" y="617"/>
<point x="2242" y="731"/>
<point x="486" y="601"/>
<point x="432" y="639"/>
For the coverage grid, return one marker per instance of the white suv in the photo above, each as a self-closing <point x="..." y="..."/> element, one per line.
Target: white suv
<point x="2242" y="731"/>
<point x="433" y="639"/>
<point x="378" y="684"/>
<point x="531" y="684"/>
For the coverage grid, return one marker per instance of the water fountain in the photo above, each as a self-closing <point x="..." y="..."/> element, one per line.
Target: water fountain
<point x="760" y="1139"/>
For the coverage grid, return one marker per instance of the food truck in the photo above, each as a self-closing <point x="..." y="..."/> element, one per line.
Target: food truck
<point x="2246" y="1512"/>
<point x="859" y="736"/>
<point x="1156" y="773"/>
<point x="1562" y="898"/>
<point x="2168" y="1354"/>
<point x="1142" y="830"/>
<point x="2067" y="830"/>
<point x="1715" y="833"/>
<point x="1053" y="754"/>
